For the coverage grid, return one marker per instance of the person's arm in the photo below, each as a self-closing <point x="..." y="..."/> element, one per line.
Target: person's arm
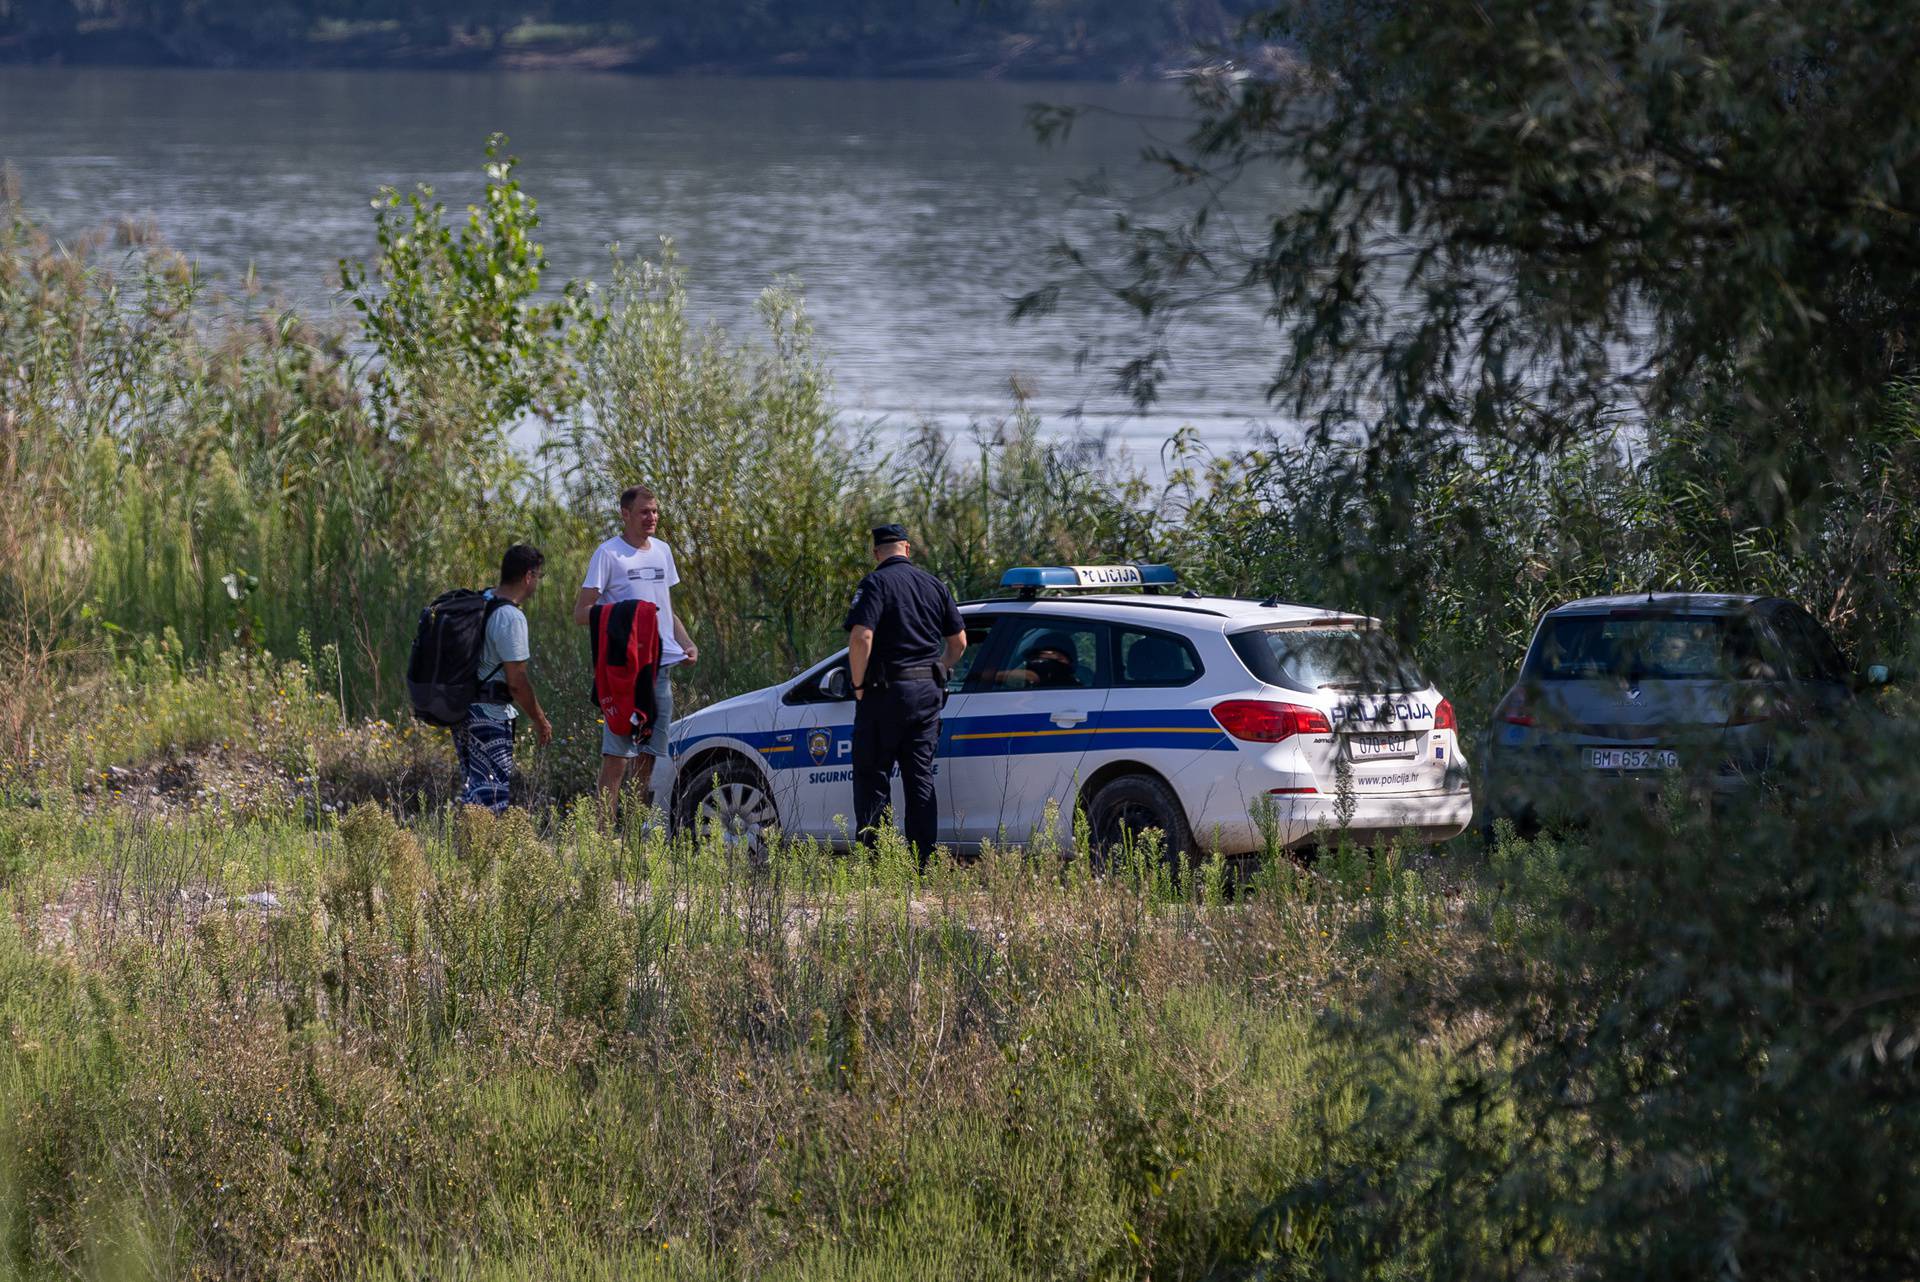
<point x="859" y="650"/>
<point x="686" y="642"/>
<point x="956" y="635"/>
<point x="520" y="686"/>
<point x="591" y="586"/>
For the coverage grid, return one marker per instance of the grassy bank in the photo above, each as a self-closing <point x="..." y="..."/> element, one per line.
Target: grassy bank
<point x="494" y="1048"/>
<point x="272" y="1031"/>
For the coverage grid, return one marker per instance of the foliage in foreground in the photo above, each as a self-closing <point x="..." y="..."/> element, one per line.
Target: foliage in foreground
<point x="475" y="1047"/>
<point x="1695" y="1050"/>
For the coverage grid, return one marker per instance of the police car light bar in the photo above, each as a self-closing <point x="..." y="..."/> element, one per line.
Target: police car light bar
<point x="1084" y="578"/>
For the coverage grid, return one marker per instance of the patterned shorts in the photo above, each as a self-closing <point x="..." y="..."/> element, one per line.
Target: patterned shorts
<point x="485" y="747"/>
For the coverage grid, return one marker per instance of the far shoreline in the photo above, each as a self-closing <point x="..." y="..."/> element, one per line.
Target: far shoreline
<point x="218" y="50"/>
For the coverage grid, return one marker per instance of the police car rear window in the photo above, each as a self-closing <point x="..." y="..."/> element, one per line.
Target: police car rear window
<point x="1327" y="658"/>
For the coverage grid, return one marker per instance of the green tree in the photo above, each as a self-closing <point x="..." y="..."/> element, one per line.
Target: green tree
<point x="1528" y="222"/>
<point x="439" y="304"/>
<point x="1663" y="254"/>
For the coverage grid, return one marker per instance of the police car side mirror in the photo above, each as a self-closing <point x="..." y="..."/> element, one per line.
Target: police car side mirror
<point x="836" y="685"/>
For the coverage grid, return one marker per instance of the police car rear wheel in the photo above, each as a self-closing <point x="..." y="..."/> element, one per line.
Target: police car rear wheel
<point x="733" y="800"/>
<point x="1126" y="808"/>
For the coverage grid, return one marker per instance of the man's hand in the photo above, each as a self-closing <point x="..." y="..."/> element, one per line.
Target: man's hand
<point x="693" y="654"/>
<point x="542" y="731"/>
<point x="583" y="604"/>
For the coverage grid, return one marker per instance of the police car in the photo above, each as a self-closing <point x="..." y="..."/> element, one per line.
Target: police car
<point x="1102" y="689"/>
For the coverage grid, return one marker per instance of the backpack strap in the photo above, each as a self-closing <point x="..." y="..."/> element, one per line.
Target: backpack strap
<point x="487" y="683"/>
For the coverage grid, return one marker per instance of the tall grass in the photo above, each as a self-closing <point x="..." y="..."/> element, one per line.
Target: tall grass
<point x="473" y="1047"/>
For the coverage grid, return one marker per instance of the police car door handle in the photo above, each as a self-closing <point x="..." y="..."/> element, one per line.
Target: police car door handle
<point x="1068" y="717"/>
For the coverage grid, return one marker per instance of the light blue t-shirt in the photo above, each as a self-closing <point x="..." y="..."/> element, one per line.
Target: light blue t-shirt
<point x="506" y="643"/>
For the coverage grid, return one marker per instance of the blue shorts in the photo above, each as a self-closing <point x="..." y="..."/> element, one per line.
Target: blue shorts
<point x="622" y="745"/>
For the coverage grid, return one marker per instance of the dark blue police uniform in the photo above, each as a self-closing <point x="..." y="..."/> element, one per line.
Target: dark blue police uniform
<point x="897" y="721"/>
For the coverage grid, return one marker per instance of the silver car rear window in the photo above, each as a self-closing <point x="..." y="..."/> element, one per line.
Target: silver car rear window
<point x="1327" y="658"/>
<point x="1646" y="646"/>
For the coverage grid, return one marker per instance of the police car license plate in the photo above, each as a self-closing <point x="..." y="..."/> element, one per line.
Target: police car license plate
<point x="1365" y="746"/>
<point x="1633" y="759"/>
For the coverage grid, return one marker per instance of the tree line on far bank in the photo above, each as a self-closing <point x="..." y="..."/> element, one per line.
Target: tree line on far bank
<point x="913" y="37"/>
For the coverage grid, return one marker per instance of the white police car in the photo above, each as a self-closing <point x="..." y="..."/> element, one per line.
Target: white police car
<point x="1190" y="714"/>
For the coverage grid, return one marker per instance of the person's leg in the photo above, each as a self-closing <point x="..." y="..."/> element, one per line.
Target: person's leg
<point x="463" y="753"/>
<point x="616" y="754"/>
<point x="655" y="746"/>
<point x="486" y="763"/>
<point x="919" y="736"/>
<point x="872" y="763"/>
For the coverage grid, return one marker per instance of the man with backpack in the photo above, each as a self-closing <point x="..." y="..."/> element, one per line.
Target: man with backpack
<point x="484" y="739"/>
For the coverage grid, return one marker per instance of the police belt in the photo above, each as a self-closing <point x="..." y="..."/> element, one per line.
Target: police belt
<point x="919" y="672"/>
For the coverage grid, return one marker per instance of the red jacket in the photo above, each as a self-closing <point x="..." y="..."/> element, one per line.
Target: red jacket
<point x="626" y="658"/>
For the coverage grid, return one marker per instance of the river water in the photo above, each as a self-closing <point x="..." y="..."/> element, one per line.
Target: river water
<point x="911" y="211"/>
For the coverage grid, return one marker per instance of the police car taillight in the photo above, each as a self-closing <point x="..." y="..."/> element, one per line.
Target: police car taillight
<point x="1263" y="721"/>
<point x="1443" y="716"/>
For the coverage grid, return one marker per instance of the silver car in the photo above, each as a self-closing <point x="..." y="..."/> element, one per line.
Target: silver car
<point x="1627" y="694"/>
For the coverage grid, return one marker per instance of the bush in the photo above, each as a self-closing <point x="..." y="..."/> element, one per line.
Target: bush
<point x="1696" y="1052"/>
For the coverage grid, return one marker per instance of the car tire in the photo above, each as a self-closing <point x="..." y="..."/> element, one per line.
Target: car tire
<point x="735" y="797"/>
<point x="1125" y="807"/>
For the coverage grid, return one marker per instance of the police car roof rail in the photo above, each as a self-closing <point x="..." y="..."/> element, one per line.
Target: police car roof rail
<point x="1030" y="580"/>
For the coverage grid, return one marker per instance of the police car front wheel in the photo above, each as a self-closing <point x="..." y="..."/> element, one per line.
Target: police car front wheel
<point x="1125" y="809"/>
<point x="731" y="798"/>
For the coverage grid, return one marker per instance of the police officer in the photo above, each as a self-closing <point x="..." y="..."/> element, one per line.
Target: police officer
<point x="904" y="633"/>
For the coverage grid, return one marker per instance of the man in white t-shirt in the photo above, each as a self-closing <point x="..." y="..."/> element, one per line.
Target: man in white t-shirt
<point x="633" y="565"/>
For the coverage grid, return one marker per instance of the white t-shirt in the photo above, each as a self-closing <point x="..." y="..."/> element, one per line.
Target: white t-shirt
<point x="623" y="572"/>
<point x="506" y="642"/>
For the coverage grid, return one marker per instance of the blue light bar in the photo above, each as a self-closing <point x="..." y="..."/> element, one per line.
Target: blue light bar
<point x="1039" y="576"/>
<point x="1088" y="578"/>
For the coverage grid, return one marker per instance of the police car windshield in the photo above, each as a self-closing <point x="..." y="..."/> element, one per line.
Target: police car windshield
<point x="1327" y="658"/>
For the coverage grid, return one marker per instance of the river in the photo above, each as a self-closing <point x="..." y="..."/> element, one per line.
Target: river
<point x="912" y="212"/>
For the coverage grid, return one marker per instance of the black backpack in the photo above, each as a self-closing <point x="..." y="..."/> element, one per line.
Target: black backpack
<point x="442" y="677"/>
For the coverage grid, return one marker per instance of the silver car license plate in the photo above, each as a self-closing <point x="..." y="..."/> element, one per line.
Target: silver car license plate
<point x="1365" y="746"/>
<point x="1633" y="759"/>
